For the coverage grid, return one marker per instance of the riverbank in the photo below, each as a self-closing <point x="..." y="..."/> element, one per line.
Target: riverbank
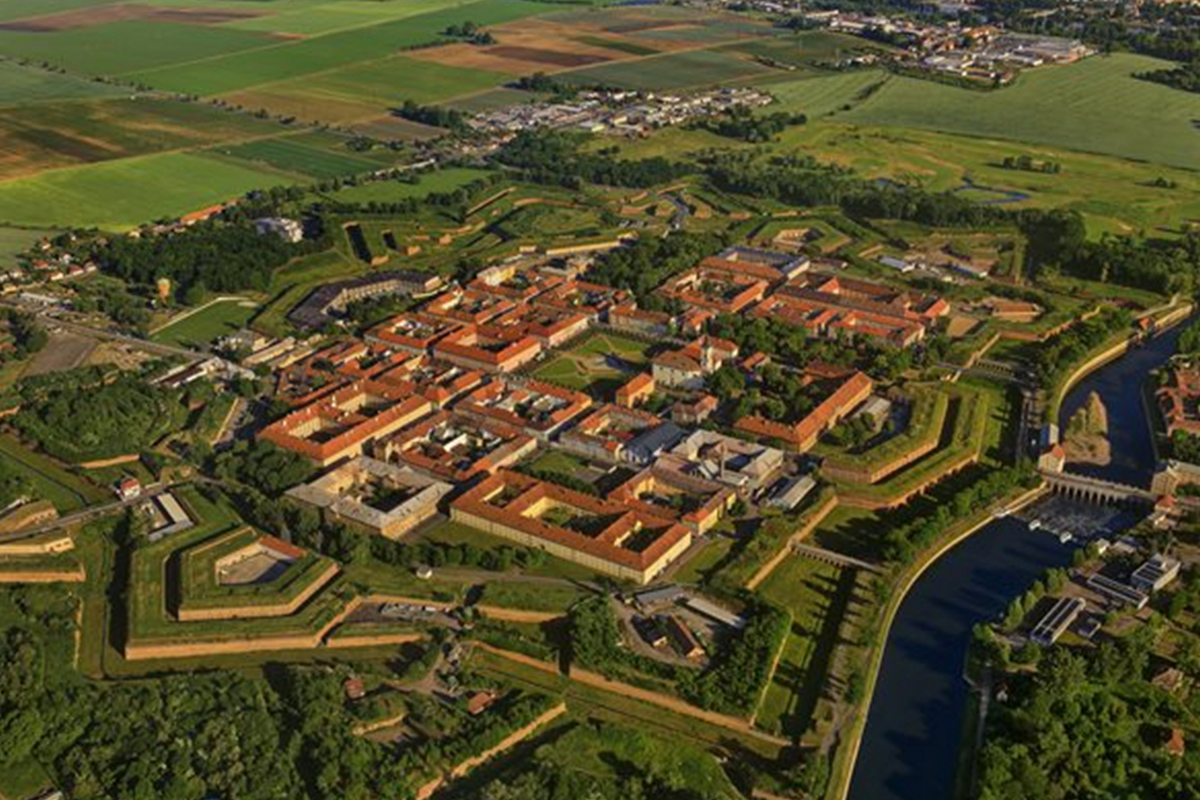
<point x="842" y="768"/>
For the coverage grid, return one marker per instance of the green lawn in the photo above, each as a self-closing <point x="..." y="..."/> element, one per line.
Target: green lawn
<point x="66" y="491"/>
<point x="815" y="594"/>
<point x="119" y="195"/>
<point x="201" y="328"/>
<point x="530" y="596"/>
<point x="1095" y="105"/>
<point x="584" y="367"/>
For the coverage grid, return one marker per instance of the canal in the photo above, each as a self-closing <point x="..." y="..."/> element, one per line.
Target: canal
<point x="910" y="746"/>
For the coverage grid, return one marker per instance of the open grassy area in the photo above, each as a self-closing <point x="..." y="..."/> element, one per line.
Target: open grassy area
<point x="201" y="328"/>
<point x="442" y="180"/>
<point x="65" y="490"/>
<point x="122" y="194"/>
<point x="816" y="594"/>
<point x="1073" y="107"/>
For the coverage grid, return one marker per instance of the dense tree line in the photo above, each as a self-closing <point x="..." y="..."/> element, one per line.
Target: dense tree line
<point x="641" y="267"/>
<point x="436" y="116"/>
<point x="91" y="413"/>
<point x="25" y="332"/>
<point x="1185" y="76"/>
<point x="742" y="123"/>
<point x="739" y="672"/>
<point x="1053" y="358"/>
<point x="261" y="464"/>
<point x="213" y="255"/>
<point x="554" y="157"/>
<point x="903" y="542"/>
<point x="1089" y="724"/>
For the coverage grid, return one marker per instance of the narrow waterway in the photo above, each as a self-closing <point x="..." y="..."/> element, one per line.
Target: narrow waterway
<point x="910" y="746"/>
<point x="1120" y="387"/>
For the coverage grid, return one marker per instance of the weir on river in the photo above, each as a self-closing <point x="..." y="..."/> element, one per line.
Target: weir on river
<point x="910" y="745"/>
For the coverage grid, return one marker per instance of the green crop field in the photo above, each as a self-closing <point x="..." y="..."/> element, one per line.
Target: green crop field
<point x="203" y="327"/>
<point x="21" y="84"/>
<point x="1094" y="106"/>
<point x="290" y="155"/>
<point x="117" y="48"/>
<point x="315" y="17"/>
<point x="123" y="194"/>
<point x="293" y="59"/>
<point x="386" y="83"/>
<point x="672" y="71"/>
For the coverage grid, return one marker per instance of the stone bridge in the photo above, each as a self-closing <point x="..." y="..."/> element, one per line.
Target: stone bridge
<point x="1097" y="490"/>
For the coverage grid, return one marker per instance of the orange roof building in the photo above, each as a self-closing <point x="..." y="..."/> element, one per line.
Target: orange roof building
<point x="468" y="306"/>
<point x="626" y="543"/>
<point x="852" y="389"/>
<point x="605" y="432"/>
<point x="340" y="425"/>
<point x="456" y="447"/>
<point x="688" y="367"/>
<point x="539" y="409"/>
<point x="628" y="317"/>
<point x="552" y="327"/>
<point x="439" y="382"/>
<point x="697" y="503"/>
<point x="716" y="287"/>
<point x="1179" y="400"/>
<point x="412" y="333"/>
<point x="591" y="299"/>
<point x="636" y="390"/>
<point x="489" y="348"/>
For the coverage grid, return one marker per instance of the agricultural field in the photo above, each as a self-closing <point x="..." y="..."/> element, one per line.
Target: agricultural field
<point x="202" y="327"/>
<point x="816" y="594"/>
<point x="688" y="69"/>
<point x="52" y="482"/>
<point x="28" y="84"/>
<point x="123" y="194"/>
<point x="40" y="136"/>
<point x="286" y="59"/>
<point x="293" y="154"/>
<point x="599" y="364"/>
<point x="1073" y="107"/>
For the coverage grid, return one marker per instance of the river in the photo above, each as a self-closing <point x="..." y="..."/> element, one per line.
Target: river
<point x="910" y="746"/>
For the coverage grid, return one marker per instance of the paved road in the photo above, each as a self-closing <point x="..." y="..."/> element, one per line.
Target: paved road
<point x="85" y="514"/>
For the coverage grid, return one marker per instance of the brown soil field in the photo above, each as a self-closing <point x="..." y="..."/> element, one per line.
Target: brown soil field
<point x="304" y="106"/>
<point x="121" y="12"/>
<point x="539" y="56"/>
<point x="532" y="45"/>
<point x="390" y="127"/>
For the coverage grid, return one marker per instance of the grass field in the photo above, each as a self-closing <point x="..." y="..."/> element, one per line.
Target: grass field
<point x="66" y="491"/>
<point x="203" y="327"/>
<point x="291" y="155"/>
<point x="118" y="48"/>
<point x="443" y="180"/>
<point x="814" y="592"/>
<point x="386" y="83"/>
<point x="17" y="240"/>
<point x="122" y="194"/>
<point x="21" y="84"/>
<point x="1094" y="106"/>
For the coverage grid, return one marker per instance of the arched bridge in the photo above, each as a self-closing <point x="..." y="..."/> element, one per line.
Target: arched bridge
<point x="1097" y="490"/>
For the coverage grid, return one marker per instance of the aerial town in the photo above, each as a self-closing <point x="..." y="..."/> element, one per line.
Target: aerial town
<point x="518" y="400"/>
